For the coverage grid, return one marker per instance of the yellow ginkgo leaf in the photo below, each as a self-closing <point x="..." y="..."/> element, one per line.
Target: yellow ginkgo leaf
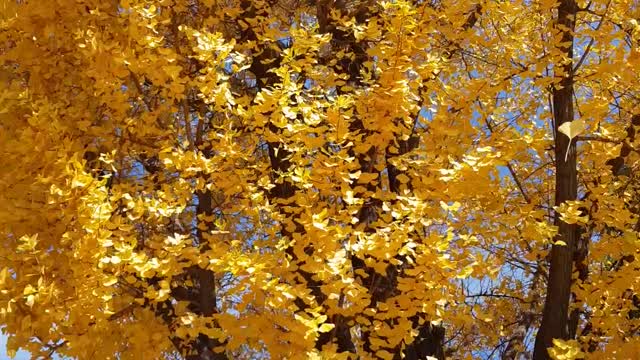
<point x="572" y="129"/>
<point x="453" y="207"/>
<point x="326" y="327"/>
<point x="111" y="280"/>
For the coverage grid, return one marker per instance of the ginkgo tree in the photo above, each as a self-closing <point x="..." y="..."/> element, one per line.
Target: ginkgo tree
<point x="329" y="179"/>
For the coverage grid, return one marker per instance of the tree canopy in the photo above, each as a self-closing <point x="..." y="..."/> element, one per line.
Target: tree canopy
<point x="329" y="179"/>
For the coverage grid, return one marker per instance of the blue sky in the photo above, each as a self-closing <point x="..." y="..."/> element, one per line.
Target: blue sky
<point x="22" y="355"/>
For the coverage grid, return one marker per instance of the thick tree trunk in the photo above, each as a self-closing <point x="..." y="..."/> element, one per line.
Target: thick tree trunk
<point x="206" y="298"/>
<point x="556" y="308"/>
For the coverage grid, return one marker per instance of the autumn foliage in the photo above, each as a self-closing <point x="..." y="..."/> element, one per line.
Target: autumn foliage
<point x="330" y="179"/>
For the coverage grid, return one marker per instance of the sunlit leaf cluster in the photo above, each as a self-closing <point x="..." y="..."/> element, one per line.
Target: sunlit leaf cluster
<point x="330" y="179"/>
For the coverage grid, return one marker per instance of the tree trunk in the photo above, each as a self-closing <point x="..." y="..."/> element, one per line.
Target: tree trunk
<point x="556" y="308"/>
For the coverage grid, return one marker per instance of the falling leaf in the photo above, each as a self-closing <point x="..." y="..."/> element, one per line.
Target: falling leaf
<point x="572" y="129"/>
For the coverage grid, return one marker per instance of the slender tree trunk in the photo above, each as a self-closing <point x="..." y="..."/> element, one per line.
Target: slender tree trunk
<point x="556" y="308"/>
<point x="206" y="298"/>
<point x="202" y="301"/>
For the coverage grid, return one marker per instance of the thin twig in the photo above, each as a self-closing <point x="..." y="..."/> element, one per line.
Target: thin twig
<point x="598" y="138"/>
<point x="537" y="169"/>
<point x="511" y="169"/>
<point x="588" y="49"/>
<point x="135" y="80"/>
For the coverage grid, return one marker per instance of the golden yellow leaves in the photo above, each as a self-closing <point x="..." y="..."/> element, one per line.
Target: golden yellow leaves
<point x="465" y="272"/>
<point x="274" y="81"/>
<point x="110" y="281"/>
<point x="191" y="325"/>
<point x="27" y="243"/>
<point x="566" y="350"/>
<point x="211" y="45"/>
<point x="212" y="49"/>
<point x="30" y="295"/>
<point x="315" y="323"/>
<point x="453" y="207"/>
<point x="571" y="212"/>
<point x="4" y="280"/>
<point x="160" y="294"/>
<point x="544" y="231"/>
<point x="320" y="220"/>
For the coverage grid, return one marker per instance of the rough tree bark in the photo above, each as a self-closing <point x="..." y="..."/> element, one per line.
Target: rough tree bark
<point x="556" y="308"/>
